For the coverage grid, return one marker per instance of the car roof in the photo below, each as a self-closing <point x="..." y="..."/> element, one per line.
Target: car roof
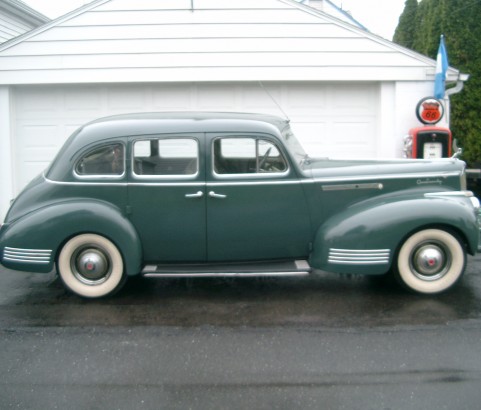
<point x="175" y="122"/>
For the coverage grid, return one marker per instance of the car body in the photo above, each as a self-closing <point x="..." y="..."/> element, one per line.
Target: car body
<point x="232" y="194"/>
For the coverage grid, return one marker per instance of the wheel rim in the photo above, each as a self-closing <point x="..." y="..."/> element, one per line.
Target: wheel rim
<point x="91" y="266"/>
<point x="430" y="261"/>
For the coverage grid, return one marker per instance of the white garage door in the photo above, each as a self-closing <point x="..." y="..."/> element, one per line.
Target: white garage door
<point x="332" y="120"/>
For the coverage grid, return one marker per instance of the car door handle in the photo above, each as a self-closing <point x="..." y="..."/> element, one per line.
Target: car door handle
<point x="198" y="194"/>
<point x="212" y="194"/>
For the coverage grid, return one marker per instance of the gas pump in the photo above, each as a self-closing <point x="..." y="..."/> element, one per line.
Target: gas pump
<point x="429" y="141"/>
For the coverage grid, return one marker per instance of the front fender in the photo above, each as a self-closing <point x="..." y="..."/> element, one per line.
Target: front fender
<point x="364" y="238"/>
<point x="39" y="235"/>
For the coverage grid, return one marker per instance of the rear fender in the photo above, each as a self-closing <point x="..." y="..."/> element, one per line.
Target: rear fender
<point x="42" y="233"/>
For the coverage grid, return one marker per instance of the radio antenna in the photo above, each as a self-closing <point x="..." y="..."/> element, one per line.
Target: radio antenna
<point x="274" y="100"/>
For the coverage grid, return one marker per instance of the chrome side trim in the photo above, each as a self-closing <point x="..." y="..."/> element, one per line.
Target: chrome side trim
<point x="224" y="274"/>
<point x="40" y="256"/>
<point x="293" y="268"/>
<point x="466" y="194"/>
<point x="126" y="184"/>
<point x="359" y="256"/>
<point x="110" y="183"/>
<point x="350" y="187"/>
<point x="378" y="177"/>
<point x="274" y="180"/>
<point x="267" y="182"/>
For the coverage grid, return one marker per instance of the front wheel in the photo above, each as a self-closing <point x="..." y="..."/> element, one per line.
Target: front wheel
<point x="430" y="261"/>
<point x="91" y="266"/>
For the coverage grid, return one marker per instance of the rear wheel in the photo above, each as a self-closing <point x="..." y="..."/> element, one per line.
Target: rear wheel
<point x="430" y="261"/>
<point x="91" y="266"/>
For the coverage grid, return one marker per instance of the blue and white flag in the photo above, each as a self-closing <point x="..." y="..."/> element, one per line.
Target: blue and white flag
<point x="441" y="69"/>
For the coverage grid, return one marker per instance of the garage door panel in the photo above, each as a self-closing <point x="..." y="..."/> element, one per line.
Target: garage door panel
<point x="172" y="97"/>
<point x="309" y="99"/>
<point x="255" y="98"/>
<point x="35" y="102"/>
<point x="216" y="97"/>
<point x="86" y="100"/>
<point x="129" y="98"/>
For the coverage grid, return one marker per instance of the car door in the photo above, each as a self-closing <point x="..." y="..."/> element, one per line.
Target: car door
<point x="166" y="196"/>
<point x="256" y="208"/>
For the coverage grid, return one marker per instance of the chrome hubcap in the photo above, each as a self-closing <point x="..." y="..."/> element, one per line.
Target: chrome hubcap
<point x="430" y="262"/>
<point x="91" y="266"/>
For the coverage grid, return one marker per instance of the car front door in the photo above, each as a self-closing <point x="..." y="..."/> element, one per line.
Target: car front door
<point x="167" y="197"/>
<point x="256" y="208"/>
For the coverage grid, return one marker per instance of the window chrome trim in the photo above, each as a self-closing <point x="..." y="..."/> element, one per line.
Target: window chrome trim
<point x="85" y="182"/>
<point x="164" y="177"/>
<point x="110" y="177"/>
<point x="161" y="177"/>
<point x="252" y="175"/>
<point x="99" y="176"/>
<point x="124" y="184"/>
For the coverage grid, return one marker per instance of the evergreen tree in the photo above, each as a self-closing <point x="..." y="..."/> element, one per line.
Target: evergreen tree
<point x="459" y="21"/>
<point x="405" y="30"/>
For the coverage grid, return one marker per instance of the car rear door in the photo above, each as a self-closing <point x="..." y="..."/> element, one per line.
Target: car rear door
<point x="167" y="197"/>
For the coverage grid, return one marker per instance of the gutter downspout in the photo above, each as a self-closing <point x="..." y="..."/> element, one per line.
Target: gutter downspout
<point x="462" y="78"/>
<point x="459" y="85"/>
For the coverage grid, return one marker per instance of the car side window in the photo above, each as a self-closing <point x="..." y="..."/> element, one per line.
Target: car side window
<point x="107" y="160"/>
<point x="247" y="156"/>
<point x="166" y="157"/>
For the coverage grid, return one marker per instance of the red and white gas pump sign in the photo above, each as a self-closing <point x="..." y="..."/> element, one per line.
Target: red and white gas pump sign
<point x="430" y="111"/>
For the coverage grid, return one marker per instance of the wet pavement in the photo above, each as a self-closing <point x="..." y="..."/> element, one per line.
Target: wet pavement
<point x="321" y="300"/>
<point x="325" y="341"/>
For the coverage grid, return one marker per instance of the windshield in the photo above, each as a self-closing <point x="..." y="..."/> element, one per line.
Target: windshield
<point x="295" y="147"/>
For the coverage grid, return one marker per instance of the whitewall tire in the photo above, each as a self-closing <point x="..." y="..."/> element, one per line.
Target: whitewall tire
<point x="91" y="266"/>
<point x="430" y="261"/>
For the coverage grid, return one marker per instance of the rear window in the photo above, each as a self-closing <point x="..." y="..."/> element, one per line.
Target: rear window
<point x="107" y="160"/>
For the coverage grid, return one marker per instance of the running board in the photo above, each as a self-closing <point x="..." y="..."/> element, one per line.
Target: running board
<point x="257" y="269"/>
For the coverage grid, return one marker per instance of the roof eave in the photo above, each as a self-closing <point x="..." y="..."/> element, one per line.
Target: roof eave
<point x="24" y="12"/>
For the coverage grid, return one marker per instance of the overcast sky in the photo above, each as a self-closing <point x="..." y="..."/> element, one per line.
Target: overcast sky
<point x="378" y="16"/>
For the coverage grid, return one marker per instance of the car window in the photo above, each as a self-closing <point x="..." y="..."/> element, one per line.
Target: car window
<point x="247" y="156"/>
<point x="107" y="160"/>
<point x="166" y="157"/>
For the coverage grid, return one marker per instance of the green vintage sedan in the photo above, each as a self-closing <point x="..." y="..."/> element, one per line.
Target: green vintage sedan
<point x="223" y="194"/>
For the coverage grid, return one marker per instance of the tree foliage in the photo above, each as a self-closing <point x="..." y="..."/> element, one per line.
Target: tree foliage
<point x="459" y="21"/>
<point x="405" y="31"/>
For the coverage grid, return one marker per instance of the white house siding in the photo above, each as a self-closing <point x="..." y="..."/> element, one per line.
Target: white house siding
<point x="11" y="27"/>
<point x="231" y="40"/>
